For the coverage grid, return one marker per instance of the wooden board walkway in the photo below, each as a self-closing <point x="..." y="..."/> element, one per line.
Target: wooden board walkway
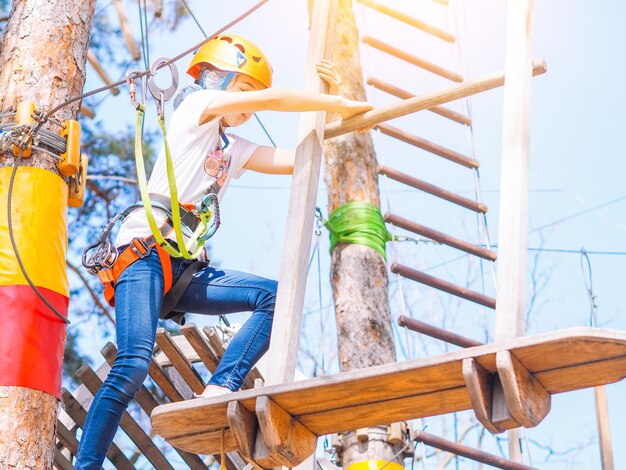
<point x="542" y="365"/>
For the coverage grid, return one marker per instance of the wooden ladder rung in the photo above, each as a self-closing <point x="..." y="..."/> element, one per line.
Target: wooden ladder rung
<point x="76" y="411"/>
<point x="128" y="424"/>
<point x="440" y="237"/>
<point x="436" y="332"/>
<point x="432" y="189"/>
<point x="180" y="361"/>
<point x="87" y="111"/>
<point x="405" y="95"/>
<point x="201" y="345"/>
<point x="149" y="403"/>
<point x="442" y="285"/>
<point x="419" y="103"/>
<point x="468" y="452"/>
<point x="398" y="15"/>
<point x="427" y="145"/>
<point x="403" y="55"/>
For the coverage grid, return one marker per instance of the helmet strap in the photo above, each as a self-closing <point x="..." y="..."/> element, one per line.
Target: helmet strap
<point x="227" y="80"/>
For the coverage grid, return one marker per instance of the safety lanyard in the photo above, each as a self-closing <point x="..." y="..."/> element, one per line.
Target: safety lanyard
<point x="200" y="235"/>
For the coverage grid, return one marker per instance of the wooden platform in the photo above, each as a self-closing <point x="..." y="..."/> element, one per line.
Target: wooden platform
<point x="530" y="369"/>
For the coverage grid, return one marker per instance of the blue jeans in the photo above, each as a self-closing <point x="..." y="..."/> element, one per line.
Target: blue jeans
<point x="138" y="298"/>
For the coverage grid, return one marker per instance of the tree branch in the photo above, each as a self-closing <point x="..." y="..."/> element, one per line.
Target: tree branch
<point x="94" y="296"/>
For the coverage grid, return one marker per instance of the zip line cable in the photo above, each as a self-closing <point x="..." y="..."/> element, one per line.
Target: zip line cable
<point x="205" y="35"/>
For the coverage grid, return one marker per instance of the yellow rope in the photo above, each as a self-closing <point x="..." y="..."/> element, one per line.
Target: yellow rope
<point x="222" y="456"/>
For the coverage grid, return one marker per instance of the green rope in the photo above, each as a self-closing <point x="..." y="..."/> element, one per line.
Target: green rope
<point x="360" y="223"/>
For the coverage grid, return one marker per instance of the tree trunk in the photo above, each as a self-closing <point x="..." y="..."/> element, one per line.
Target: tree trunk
<point x="42" y="59"/>
<point x="358" y="273"/>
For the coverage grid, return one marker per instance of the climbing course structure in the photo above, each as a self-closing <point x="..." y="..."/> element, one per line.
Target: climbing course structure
<point x="508" y="384"/>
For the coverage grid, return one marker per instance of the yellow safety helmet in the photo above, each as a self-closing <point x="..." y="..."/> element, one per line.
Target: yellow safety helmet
<point x="232" y="53"/>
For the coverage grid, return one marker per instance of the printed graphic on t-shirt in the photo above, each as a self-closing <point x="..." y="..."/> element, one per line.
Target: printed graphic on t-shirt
<point x="216" y="165"/>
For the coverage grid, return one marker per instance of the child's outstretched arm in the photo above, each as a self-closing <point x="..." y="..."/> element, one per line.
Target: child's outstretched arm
<point x="280" y="99"/>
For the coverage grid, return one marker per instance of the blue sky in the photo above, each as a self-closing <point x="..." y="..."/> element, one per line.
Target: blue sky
<point x="577" y="163"/>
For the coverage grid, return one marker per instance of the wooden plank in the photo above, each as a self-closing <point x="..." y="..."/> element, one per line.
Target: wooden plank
<point x="421" y="102"/>
<point x="79" y="415"/>
<point x="132" y="429"/>
<point x="604" y="429"/>
<point x="432" y="189"/>
<point x="288" y="441"/>
<point x="179" y="360"/>
<point x="244" y="426"/>
<point x="67" y="438"/>
<point x="158" y="375"/>
<point x="218" y="347"/>
<point x="412" y="59"/>
<point x="126" y="30"/>
<point x="427" y="145"/>
<point x="186" y="349"/>
<point x="560" y="361"/>
<point x="61" y="461"/>
<point x="200" y="345"/>
<point x="513" y="225"/>
<point x="445" y="286"/>
<point x="95" y="63"/>
<point x="405" y="95"/>
<point x="440" y="237"/>
<point x="400" y="16"/>
<point x="149" y="403"/>
<point x="527" y="400"/>
<point x="285" y="339"/>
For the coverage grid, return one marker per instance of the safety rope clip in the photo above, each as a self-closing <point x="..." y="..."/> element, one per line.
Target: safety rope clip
<point x="162" y="94"/>
<point x="131" y="76"/>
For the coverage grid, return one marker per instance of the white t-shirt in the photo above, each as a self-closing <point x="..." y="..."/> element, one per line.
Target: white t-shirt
<point x="200" y="164"/>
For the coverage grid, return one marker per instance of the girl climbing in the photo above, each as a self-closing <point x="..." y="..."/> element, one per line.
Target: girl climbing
<point x="232" y="81"/>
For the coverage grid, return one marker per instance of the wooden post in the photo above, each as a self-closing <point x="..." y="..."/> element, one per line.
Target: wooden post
<point x="513" y="226"/>
<point x="126" y="31"/>
<point x="604" y="429"/>
<point x="292" y="281"/>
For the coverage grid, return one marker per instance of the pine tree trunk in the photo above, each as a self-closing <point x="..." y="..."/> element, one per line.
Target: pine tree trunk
<point x="358" y="273"/>
<point x="42" y="59"/>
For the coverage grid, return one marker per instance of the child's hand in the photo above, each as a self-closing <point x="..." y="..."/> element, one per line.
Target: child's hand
<point x="351" y="108"/>
<point x="327" y="72"/>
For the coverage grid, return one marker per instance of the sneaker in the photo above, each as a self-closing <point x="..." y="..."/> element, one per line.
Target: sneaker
<point x="212" y="391"/>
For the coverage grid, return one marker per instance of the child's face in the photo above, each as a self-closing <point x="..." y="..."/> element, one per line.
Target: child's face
<point x="241" y="83"/>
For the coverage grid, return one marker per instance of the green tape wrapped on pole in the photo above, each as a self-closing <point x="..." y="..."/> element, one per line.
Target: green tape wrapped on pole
<point x="360" y="223"/>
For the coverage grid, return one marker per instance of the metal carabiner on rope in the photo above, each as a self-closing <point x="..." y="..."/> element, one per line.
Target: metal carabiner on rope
<point x="131" y="76"/>
<point x="161" y="95"/>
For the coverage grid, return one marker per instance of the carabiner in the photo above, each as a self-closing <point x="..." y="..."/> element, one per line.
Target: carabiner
<point x="131" y="76"/>
<point x="162" y="94"/>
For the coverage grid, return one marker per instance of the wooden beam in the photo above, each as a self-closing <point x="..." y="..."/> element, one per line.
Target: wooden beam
<point x="95" y="63"/>
<point x="179" y="360"/>
<point x="87" y="111"/>
<point x="442" y="285"/>
<point x="398" y="15"/>
<point x="421" y="102"/>
<point x="405" y="95"/>
<point x="435" y="332"/>
<point x="288" y="441"/>
<point x="432" y="189"/>
<point x="201" y="345"/>
<point x="513" y="221"/>
<point x="244" y="426"/>
<point x="604" y="428"/>
<point x="126" y="30"/>
<point x="410" y="58"/>
<point x="440" y="237"/>
<point x="61" y="462"/>
<point x="285" y="339"/>
<point x="479" y="383"/>
<point x="427" y="145"/>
